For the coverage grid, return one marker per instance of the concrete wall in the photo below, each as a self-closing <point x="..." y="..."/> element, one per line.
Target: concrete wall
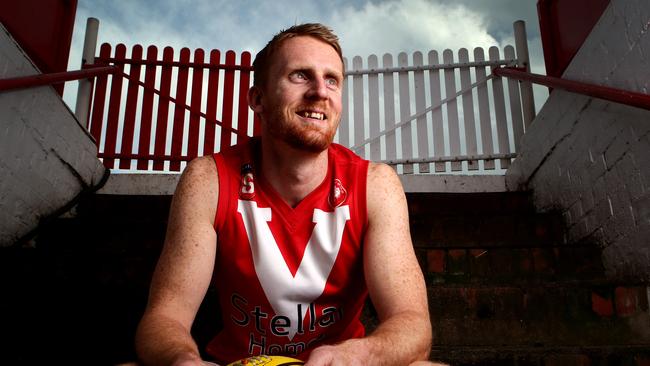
<point x="590" y="159"/>
<point x="46" y="157"/>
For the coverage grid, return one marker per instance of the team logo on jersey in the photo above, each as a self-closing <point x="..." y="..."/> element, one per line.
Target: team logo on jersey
<point x="247" y="189"/>
<point x="287" y="292"/>
<point x="338" y="195"/>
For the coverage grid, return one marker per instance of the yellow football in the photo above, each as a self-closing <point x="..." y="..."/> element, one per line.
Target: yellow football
<point x="264" y="360"/>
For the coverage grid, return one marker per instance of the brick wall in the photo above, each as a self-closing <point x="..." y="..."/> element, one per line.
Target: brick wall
<point x="46" y="156"/>
<point x="506" y="289"/>
<point x="590" y="159"/>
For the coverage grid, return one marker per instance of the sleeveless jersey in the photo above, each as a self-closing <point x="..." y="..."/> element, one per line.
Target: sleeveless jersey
<point x="289" y="278"/>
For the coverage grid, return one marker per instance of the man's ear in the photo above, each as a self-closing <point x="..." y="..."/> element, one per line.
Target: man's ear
<point x="255" y="99"/>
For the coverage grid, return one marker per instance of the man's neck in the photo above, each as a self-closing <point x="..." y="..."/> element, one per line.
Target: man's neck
<point x="292" y="172"/>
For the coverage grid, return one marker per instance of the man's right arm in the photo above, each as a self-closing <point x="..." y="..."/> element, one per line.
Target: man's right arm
<point x="184" y="270"/>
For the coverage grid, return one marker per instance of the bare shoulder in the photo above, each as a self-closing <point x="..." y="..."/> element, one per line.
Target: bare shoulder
<point x="200" y="171"/>
<point x="383" y="186"/>
<point x="380" y="171"/>
<point x="199" y="185"/>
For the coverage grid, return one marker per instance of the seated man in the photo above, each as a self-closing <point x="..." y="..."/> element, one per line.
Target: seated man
<point x="294" y="232"/>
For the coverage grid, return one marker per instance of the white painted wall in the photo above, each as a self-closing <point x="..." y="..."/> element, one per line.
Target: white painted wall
<point x="590" y="159"/>
<point x="46" y="157"/>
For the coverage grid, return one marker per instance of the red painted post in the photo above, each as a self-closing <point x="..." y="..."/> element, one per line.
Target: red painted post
<point x="244" y="85"/>
<point x="228" y="94"/>
<point x="147" y="108"/>
<point x="99" y="100"/>
<point x="197" y="88"/>
<point x="163" y="110"/>
<point x="211" y="107"/>
<point x="114" y="107"/>
<point x="179" y="111"/>
<point x="131" y="105"/>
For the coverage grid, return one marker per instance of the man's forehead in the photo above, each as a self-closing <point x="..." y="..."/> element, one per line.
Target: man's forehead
<point x="302" y="51"/>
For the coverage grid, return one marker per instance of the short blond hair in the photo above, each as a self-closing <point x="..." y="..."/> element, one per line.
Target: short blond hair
<point x="319" y="31"/>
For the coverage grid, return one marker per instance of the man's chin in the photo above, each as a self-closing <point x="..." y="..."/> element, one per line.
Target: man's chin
<point x="314" y="145"/>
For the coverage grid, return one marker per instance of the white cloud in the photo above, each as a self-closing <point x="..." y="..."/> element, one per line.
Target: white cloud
<point x="409" y="25"/>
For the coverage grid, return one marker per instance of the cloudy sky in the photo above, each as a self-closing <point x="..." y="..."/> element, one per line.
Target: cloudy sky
<point x="364" y="26"/>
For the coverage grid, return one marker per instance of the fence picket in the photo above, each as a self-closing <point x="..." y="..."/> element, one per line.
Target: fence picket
<point x="373" y="108"/>
<point x="389" y="108"/>
<point x="131" y="105"/>
<point x="228" y="95"/>
<point x="178" y="126"/>
<point x="436" y="114"/>
<point x="99" y="97"/>
<point x="468" y="110"/>
<point x="452" y="110"/>
<point x="500" y="112"/>
<point x="243" y="110"/>
<point x="484" y="110"/>
<point x="147" y="109"/>
<point x="359" y="118"/>
<point x="195" y="120"/>
<point x="211" y="104"/>
<point x="112" y="120"/>
<point x="422" y="130"/>
<point x="405" y="112"/>
<point x="515" y="103"/>
<point x="163" y="109"/>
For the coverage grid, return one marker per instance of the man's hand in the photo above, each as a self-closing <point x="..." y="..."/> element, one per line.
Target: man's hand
<point x="351" y="352"/>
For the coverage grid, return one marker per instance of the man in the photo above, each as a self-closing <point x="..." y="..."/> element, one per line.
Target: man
<point x="293" y="230"/>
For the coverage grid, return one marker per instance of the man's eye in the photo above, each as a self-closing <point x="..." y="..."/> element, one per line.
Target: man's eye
<point x="332" y="82"/>
<point x="299" y="75"/>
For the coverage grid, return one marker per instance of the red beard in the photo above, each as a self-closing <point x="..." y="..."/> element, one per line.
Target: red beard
<point x="302" y="136"/>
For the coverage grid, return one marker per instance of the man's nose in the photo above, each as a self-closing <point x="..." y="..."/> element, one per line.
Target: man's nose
<point x="318" y="89"/>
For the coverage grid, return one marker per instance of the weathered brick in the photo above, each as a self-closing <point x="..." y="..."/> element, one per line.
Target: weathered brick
<point x="601" y="304"/>
<point x="617" y="149"/>
<point x="502" y="264"/>
<point x="641" y="210"/>
<point x="436" y="261"/>
<point x="567" y="360"/>
<point x="457" y="262"/>
<point x="642" y="360"/>
<point x="479" y="263"/>
<point x="543" y="260"/>
<point x="627" y="300"/>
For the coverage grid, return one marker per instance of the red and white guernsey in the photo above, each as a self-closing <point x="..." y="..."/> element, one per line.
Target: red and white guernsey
<point x="289" y="279"/>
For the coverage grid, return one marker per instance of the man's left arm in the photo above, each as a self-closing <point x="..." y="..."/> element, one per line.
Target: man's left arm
<point x="395" y="284"/>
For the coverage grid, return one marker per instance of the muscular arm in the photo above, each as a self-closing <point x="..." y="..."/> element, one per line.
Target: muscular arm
<point x="184" y="270"/>
<point x="395" y="284"/>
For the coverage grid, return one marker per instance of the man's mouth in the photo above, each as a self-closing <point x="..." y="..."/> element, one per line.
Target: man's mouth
<point x="312" y="114"/>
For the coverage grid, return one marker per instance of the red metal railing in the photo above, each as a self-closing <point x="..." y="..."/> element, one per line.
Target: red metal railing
<point x="634" y="99"/>
<point x="53" y="78"/>
<point x="150" y="141"/>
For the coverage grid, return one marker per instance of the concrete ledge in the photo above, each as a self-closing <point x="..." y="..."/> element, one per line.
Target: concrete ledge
<point x="448" y="183"/>
<point x="141" y="184"/>
<point x="165" y="184"/>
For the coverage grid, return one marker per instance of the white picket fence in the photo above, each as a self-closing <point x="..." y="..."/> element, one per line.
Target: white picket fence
<point x="439" y="116"/>
<point x="436" y="116"/>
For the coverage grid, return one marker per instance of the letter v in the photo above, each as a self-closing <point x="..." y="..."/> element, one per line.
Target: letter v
<point x="282" y="289"/>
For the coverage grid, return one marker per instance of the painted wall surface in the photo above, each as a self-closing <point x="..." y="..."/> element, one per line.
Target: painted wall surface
<point x="46" y="157"/>
<point x="589" y="158"/>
